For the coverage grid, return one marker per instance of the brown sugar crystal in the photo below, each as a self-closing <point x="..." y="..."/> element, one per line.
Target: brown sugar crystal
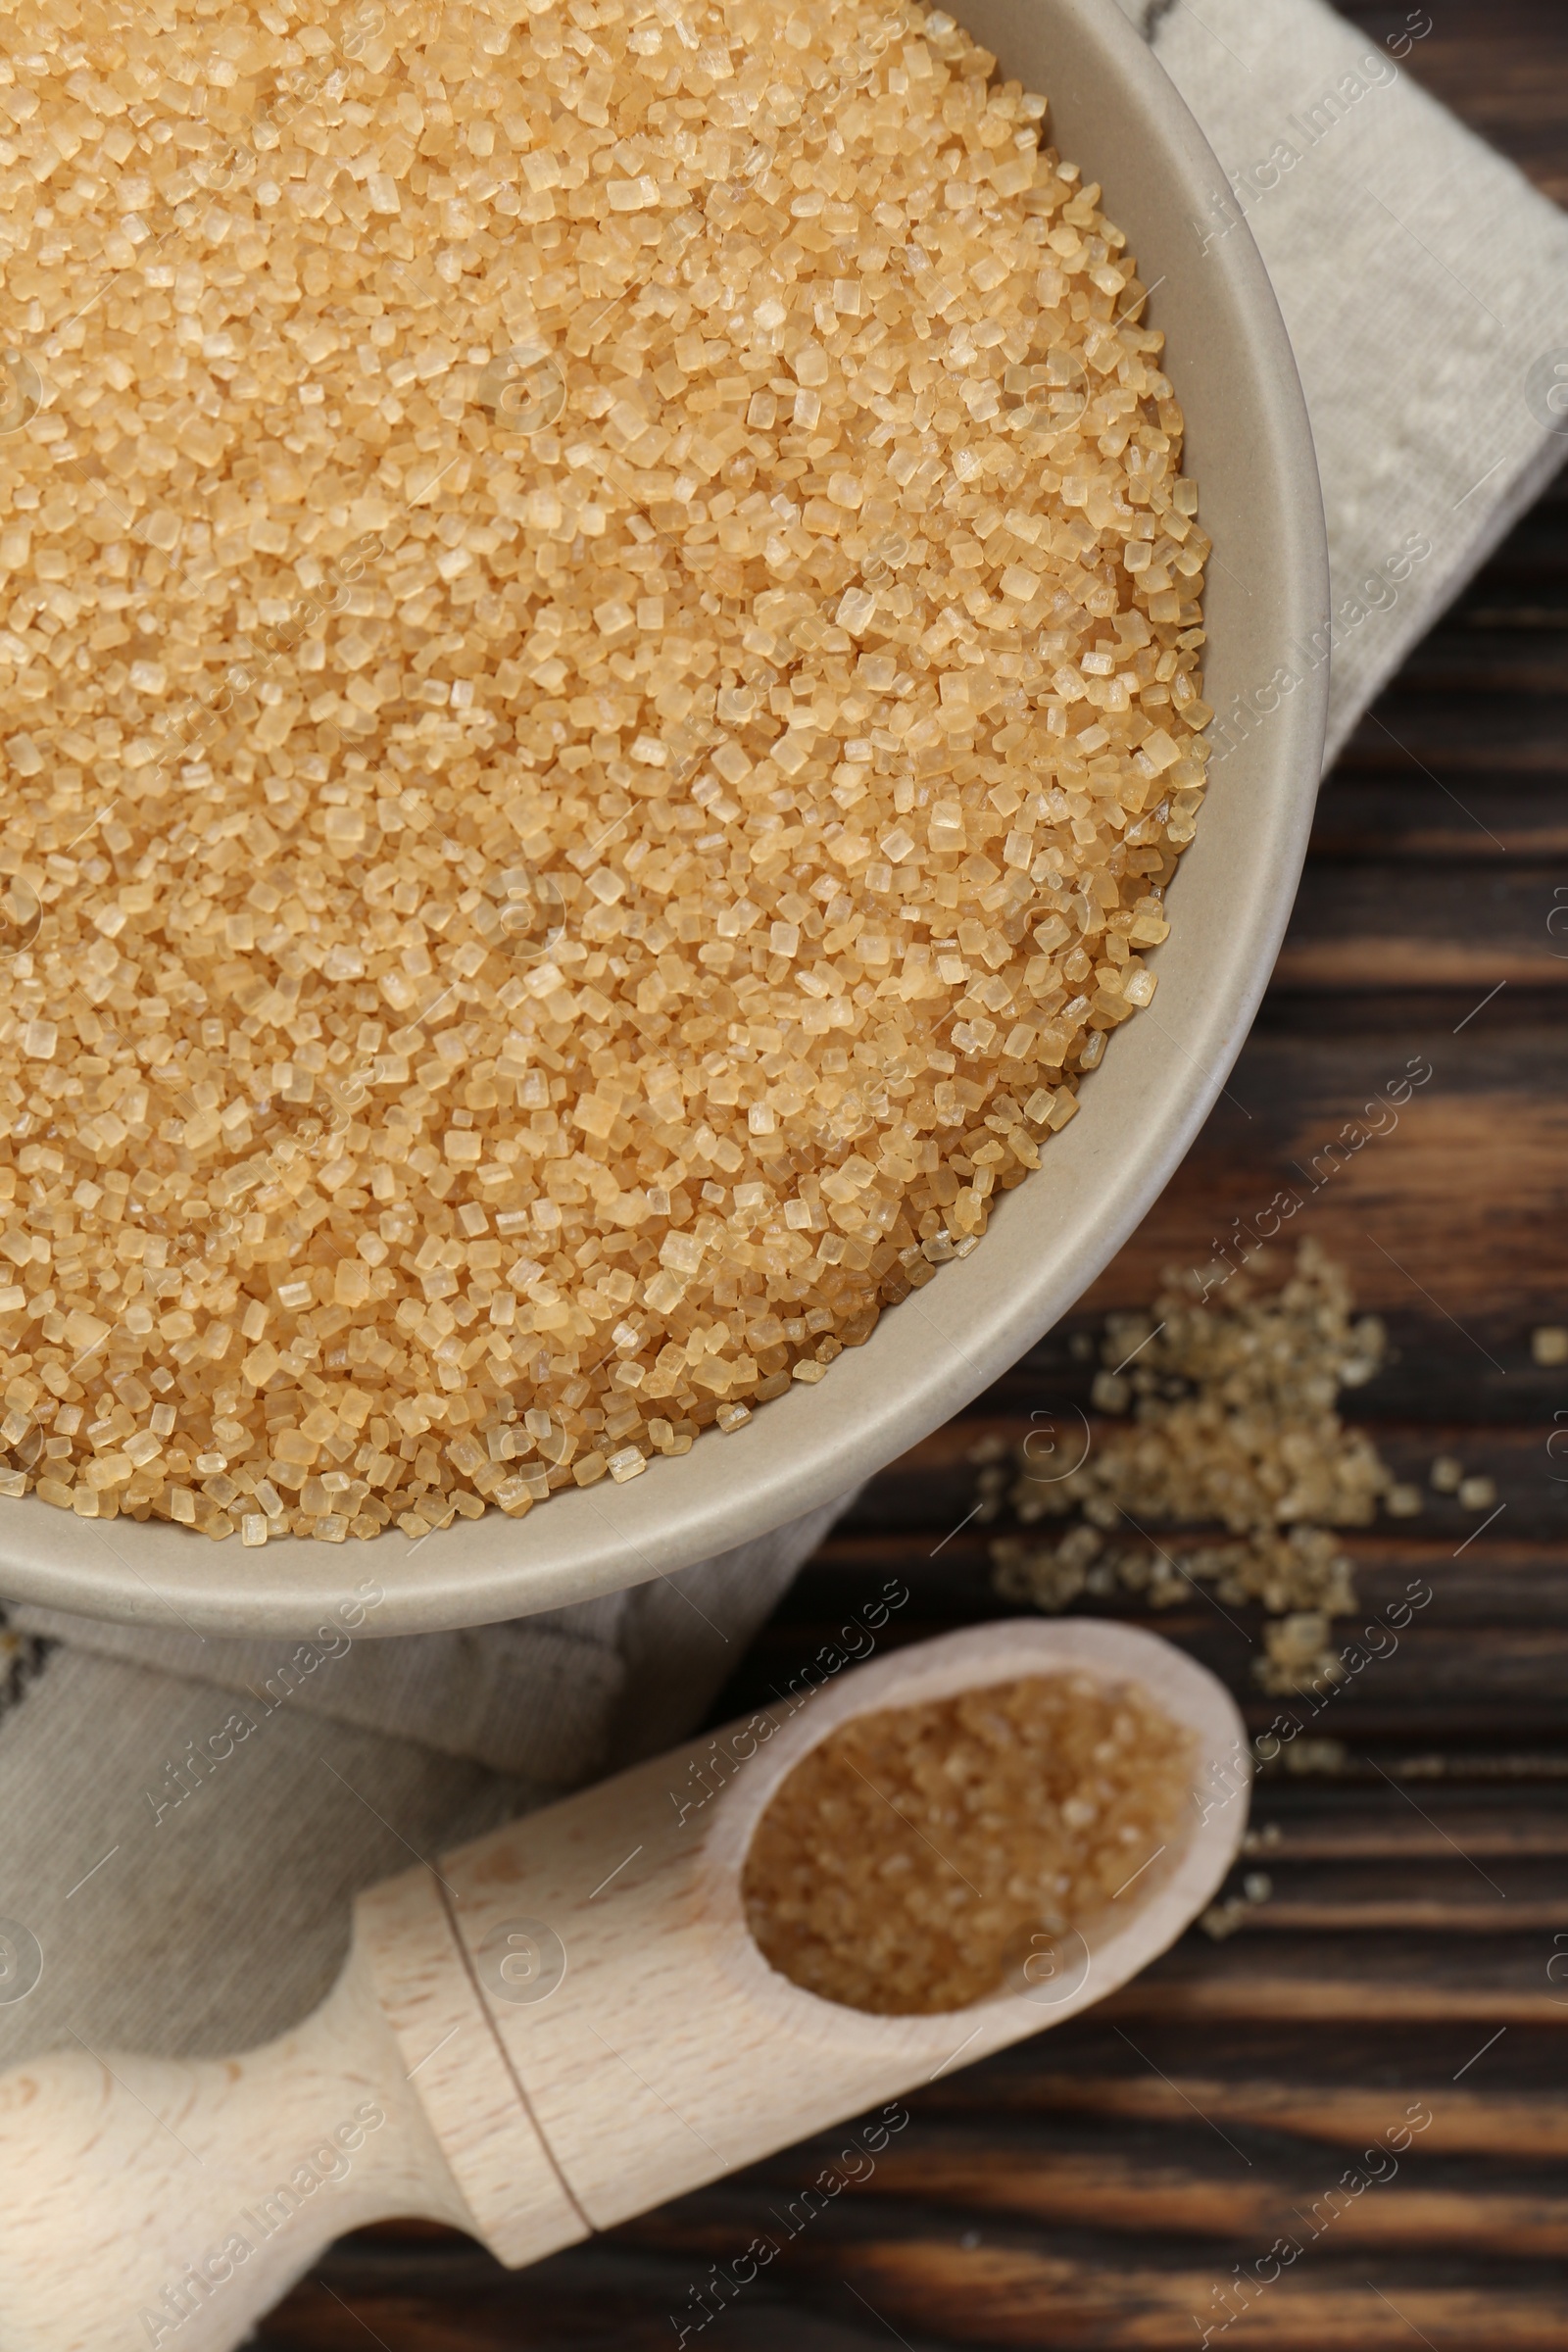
<point x="913" y="1859"/>
<point x="599" y="688"/>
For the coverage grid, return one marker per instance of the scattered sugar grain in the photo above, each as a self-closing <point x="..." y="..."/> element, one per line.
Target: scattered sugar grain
<point x="1232" y="1424"/>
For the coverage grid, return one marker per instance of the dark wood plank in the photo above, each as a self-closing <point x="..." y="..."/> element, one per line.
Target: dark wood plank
<point x="1477" y="1157"/>
<point x="1399" y="922"/>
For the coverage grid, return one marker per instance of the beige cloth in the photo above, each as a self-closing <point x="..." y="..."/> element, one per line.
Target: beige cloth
<point x="1425" y="286"/>
<point x="197" y="1909"/>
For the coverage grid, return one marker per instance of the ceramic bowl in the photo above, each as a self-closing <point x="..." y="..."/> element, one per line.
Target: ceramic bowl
<point x="1115" y="112"/>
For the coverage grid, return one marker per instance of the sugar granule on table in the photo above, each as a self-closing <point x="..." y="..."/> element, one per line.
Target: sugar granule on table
<point x="917" y="1855"/>
<point x="598" y="682"/>
<point x="1231" y="1423"/>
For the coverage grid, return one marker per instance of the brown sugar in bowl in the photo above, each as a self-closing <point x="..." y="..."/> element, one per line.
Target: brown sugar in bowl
<point x="1248" y="442"/>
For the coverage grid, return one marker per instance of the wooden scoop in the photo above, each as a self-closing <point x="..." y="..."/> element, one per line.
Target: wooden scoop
<point x="561" y="2025"/>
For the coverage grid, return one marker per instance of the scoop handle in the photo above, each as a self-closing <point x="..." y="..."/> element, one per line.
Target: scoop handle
<point x="152" y="2201"/>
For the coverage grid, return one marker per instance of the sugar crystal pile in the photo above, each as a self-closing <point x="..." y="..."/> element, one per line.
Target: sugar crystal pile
<point x="921" y="1858"/>
<point x="599" y="688"/>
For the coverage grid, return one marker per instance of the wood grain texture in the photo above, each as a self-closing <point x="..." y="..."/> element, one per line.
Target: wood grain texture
<point x="153" y="2200"/>
<point x="475" y="2109"/>
<point x="1068" y="2195"/>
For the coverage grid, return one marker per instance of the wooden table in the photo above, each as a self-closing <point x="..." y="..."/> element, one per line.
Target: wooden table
<point x="1094" y="2188"/>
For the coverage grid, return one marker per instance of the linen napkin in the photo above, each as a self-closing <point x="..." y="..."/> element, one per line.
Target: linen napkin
<point x="1424" y="285"/>
<point x="187" y="1821"/>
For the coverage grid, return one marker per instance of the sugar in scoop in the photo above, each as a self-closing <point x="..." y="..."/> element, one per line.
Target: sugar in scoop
<point x="914" y="1859"/>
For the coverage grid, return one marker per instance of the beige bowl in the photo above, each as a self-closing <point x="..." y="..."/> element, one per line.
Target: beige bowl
<point x="1113" y="111"/>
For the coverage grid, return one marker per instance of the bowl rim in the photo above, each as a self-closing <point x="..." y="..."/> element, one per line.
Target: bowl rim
<point x="1048" y="1238"/>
